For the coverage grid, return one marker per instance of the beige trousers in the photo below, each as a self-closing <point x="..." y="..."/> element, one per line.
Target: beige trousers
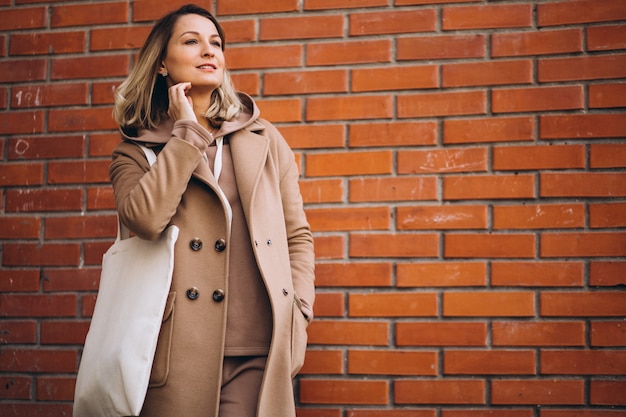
<point x="241" y="383"/>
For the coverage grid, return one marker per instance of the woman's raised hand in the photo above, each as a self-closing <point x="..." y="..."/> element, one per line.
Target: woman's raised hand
<point x="181" y="105"/>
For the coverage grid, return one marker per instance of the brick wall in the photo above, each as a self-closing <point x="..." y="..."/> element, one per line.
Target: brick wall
<point x="463" y="166"/>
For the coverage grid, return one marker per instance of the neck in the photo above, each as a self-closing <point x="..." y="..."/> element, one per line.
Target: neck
<point x="201" y="103"/>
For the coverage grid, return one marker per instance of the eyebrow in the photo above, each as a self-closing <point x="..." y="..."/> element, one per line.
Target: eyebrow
<point x="193" y="32"/>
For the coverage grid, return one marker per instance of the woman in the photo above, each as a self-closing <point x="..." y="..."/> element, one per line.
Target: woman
<point x="234" y="332"/>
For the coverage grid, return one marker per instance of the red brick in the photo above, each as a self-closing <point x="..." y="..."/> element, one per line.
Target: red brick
<point x="329" y="305"/>
<point x="441" y="217"/>
<point x="322" y="191"/>
<point x="610" y="393"/>
<point x="582" y="413"/>
<point x="21" y="227"/>
<point x="388" y="22"/>
<point x="341" y="4"/>
<point x="18" y="332"/>
<point x="583" y="244"/>
<point x="23" y="18"/>
<point x="23" y="70"/>
<point x="48" y="43"/>
<point x="55" y="388"/>
<point x="98" y="118"/>
<point x="70" y="172"/>
<point x="468" y="159"/>
<point x="537" y="99"/>
<point x="239" y="30"/>
<point x="305" y="82"/>
<point x="323" y="362"/>
<point x="544" y="392"/>
<point x="583" y="184"/>
<point x="68" y="279"/>
<point x="587" y="362"/>
<point x="344" y="332"/>
<point x="89" y="14"/>
<point x="349" y="108"/>
<point x="271" y="56"/>
<point x="607" y="95"/>
<point x="315" y="136"/>
<point x="27" y="305"/>
<point x="103" y="93"/>
<point x="608" y="333"/>
<point x="102" y="144"/>
<point x="594" y="67"/>
<point x="35" y="409"/>
<point x="491" y="129"/>
<point x="515" y="333"/>
<point x="603" y="38"/>
<point x="471" y="74"/>
<point x="506" y="158"/>
<point x="395" y="78"/>
<point x="352" y="163"/>
<point x="607" y="215"/>
<point x="537" y="274"/>
<point x="393" y="134"/>
<point x="31" y="254"/>
<point x="607" y="155"/>
<point x="360" y="218"/>
<point x="329" y="247"/>
<point x="353" y="274"/>
<point x="539" y="216"/>
<point x="449" y="391"/>
<point x="335" y="391"/>
<point x="89" y="67"/>
<point x="393" y="304"/>
<point x="394" y="245"/>
<point x="277" y="111"/>
<point x="495" y="362"/>
<point x="153" y="9"/>
<point x="489" y="304"/>
<point x="19" y="280"/>
<point x="64" y="332"/>
<point x="393" y="189"/>
<point x="441" y="274"/>
<point x="582" y="304"/>
<point x="16" y="388"/>
<point x="441" y="334"/>
<point x="487" y="413"/>
<point x="607" y="273"/>
<point x="351" y="52"/>
<point x="441" y="47"/>
<point x="248" y="83"/>
<point x="24" y="122"/>
<point x="80" y="227"/>
<point x="392" y="362"/>
<point x="537" y="43"/>
<point x="442" y="104"/>
<point x="579" y="126"/>
<point x="303" y="27"/>
<point x="487" y="17"/>
<point x="21" y="174"/>
<point x="110" y="39"/>
<point x="391" y="413"/>
<point x="228" y="7"/>
<point x="488" y="187"/>
<point x="49" y="95"/>
<point x="579" y="11"/>
<point x="318" y="412"/>
<point x="32" y="200"/>
<point x="46" y="147"/>
<point x="40" y="361"/>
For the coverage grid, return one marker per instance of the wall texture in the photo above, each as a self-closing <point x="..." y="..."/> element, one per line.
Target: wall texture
<point x="464" y="170"/>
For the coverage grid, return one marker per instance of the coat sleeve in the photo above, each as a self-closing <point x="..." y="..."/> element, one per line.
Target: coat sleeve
<point x="147" y="197"/>
<point x="299" y="236"/>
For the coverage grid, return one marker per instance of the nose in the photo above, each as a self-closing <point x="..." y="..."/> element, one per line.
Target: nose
<point x="208" y="51"/>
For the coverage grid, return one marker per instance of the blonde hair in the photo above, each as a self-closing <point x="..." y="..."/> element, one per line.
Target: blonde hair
<point x="141" y="100"/>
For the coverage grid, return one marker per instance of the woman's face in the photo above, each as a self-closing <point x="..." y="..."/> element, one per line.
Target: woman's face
<point x="194" y="53"/>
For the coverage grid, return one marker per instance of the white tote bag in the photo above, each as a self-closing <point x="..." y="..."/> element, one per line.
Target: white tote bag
<point x="115" y="367"/>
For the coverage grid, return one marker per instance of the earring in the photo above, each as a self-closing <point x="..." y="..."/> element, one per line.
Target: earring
<point x="164" y="73"/>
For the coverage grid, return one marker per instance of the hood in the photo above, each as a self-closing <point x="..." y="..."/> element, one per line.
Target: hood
<point x="163" y="132"/>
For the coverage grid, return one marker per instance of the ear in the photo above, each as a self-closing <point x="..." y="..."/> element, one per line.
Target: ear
<point x="163" y="70"/>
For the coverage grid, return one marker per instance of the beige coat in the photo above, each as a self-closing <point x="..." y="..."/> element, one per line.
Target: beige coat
<point x="180" y="189"/>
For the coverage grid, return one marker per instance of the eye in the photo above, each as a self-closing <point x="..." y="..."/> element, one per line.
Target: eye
<point x="217" y="44"/>
<point x="191" y="42"/>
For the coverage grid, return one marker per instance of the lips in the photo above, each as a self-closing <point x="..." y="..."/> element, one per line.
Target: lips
<point x="207" y="66"/>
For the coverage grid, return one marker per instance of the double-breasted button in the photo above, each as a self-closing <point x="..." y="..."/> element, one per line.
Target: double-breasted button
<point x="195" y="244"/>
<point x="218" y="295"/>
<point x="285" y="292"/>
<point x="269" y="242"/>
<point x="193" y="293"/>
<point x="220" y="245"/>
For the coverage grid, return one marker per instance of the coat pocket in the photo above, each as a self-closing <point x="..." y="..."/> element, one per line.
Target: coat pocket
<point x="298" y="337"/>
<point x="161" y="364"/>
